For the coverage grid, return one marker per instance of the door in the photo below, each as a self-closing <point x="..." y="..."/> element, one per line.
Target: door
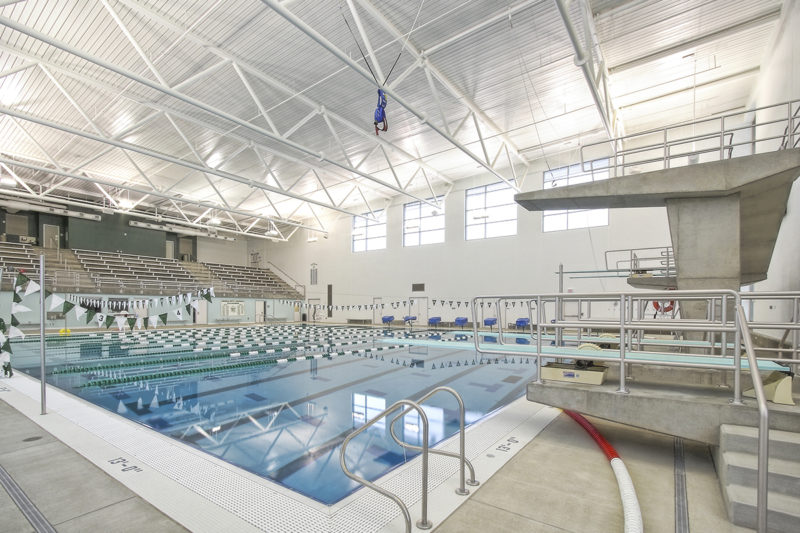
<point x="314" y="314"/>
<point x="170" y="251"/>
<point x="377" y="312"/>
<point x="52" y="236"/>
<point x="201" y="316"/>
<point x="261" y="310"/>
<point x="419" y="309"/>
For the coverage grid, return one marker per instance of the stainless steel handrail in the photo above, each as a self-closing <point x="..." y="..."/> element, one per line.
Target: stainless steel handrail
<point x="763" y="423"/>
<point x="423" y="523"/>
<point x="461" y="490"/>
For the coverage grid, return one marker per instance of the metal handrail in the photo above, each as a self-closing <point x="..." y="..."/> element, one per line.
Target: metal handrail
<point x="283" y="272"/>
<point x="423" y="523"/>
<point x="763" y="423"/>
<point x="461" y="490"/>
<point x="721" y="131"/>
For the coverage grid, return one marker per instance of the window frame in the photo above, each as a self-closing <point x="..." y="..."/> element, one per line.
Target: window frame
<point x="488" y="222"/>
<point x="568" y="219"/>
<point x="371" y="228"/>
<point x="419" y="231"/>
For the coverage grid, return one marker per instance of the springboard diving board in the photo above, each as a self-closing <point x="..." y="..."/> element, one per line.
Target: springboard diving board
<point x="598" y="355"/>
<point x="604" y="340"/>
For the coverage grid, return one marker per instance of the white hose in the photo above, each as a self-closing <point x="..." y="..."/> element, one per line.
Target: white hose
<point x="630" y="503"/>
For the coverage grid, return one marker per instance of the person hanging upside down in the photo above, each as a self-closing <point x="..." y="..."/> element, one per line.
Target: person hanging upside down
<point x="381" y="122"/>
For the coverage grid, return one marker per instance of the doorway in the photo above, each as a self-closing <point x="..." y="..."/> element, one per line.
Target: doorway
<point x="52" y="236"/>
<point x="169" y="253"/>
<point x="377" y="312"/>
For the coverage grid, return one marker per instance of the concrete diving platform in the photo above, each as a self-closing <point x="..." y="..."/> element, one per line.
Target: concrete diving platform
<point x="724" y="216"/>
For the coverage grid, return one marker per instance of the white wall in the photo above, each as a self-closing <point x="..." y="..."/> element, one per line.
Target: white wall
<point x="460" y="269"/>
<point x="780" y="82"/>
<point x="220" y="251"/>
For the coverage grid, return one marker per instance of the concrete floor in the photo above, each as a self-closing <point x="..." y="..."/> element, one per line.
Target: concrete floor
<point x="72" y="493"/>
<point x="560" y="481"/>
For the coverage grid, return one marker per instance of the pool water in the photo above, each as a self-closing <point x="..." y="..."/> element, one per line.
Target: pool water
<point x="279" y="400"/>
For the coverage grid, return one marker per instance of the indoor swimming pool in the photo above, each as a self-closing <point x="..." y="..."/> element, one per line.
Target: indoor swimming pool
<point x="279" y="400"/>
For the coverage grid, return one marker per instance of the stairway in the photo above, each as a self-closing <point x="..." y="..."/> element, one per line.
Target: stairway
<point x="736" y="460"/>
<point x="200" y="273"/>
<point x="65" y="271"/>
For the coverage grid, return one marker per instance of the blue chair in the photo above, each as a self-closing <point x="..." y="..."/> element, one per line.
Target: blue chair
<point x="489" y="322"/>
<point x="434" y="320"/>
<point x="409" y="319"/>
<point x="388" y="319"/>
<point x="461" y="321"/>
<point x="523" y="322"/>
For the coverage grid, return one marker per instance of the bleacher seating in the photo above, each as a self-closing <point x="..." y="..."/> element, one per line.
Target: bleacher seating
<point x="140" y="273"/>
<point x="253" y="280"/>
<point x="15" y="257"/>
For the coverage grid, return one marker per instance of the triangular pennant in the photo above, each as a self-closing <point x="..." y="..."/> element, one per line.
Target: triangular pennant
<point x="79" y="311"/>
<point x="19" y="308"/>
<point x="132" y="322"/>
<point x="2" y="325"/>
<point x="163" y="317"/>
<point x="14" y="321"/>
<point x="188" y="309"/>
<point x="139" y="323"/>
<point x="6" y="347"/>
<point x="67" y="307"/>
<point x="90" y="314"/>
<point x="55" y="301"/>
<point x="152" y="321"/>
<point x="120" y="322"/>
<point x="17" y="298"/>
<point x="207" y="296"/>
<point x="21" y="280"/>
<point x="211" y="291"/>
<point x="195" y="304"/>
<point x="109" y="320"/>
<point x="14" y="333"/>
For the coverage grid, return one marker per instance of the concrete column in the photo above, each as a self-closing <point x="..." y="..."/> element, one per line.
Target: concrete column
<point x="705" y="236"/>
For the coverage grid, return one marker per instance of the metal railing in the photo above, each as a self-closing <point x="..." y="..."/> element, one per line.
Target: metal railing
<point x="763" y="425"/>
<point x="423" y="523"/>
<point x="289" y="280"/>
<point x="461" y="490"/>
<point x="763" y="129"/>
<point x="631" y="322"/>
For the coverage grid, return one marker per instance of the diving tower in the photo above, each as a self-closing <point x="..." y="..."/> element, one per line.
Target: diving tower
<point x="724" y="216"/>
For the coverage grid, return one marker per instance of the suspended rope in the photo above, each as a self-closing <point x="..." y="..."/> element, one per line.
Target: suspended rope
<point x="380" y="120"/>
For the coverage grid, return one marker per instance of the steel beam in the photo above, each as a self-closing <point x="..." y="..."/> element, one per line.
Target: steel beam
<point x="344" y="58"/>
<point x="30" y="32"/>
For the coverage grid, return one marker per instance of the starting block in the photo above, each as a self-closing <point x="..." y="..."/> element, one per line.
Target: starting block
<point x="777" y="388"/>
<point x="570" y="373"/>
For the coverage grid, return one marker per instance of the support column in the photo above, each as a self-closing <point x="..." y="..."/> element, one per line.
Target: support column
<point x="705" y="236"/>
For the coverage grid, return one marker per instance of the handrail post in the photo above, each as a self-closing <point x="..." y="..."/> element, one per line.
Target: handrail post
<point x="724" y="336"/>
<point x="539" y="340"/>
<point x="622" y="387"/>
<point x="763" y="423"/>
<point x="423" y="523"/>
<point x="737" y="360"/>
<point x="464" y="463"/>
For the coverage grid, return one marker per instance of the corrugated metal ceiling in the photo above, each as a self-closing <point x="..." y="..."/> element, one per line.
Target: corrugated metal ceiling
<point x="509" y="61"/>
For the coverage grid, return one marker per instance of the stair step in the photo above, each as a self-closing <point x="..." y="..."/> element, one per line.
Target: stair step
<point x="783" y="514"/>
<point x="782" y="444"/>
<point x="741" y="469"/>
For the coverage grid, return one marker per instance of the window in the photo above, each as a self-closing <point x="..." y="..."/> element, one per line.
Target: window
<point x="369" y="233"/>
<point x="491" y="211"/>
<point x="366" y="407"/>
<point x="563" y="219"/>
<point x="422" y="223"/>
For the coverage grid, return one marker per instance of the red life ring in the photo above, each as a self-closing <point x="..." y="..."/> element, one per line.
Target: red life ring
<point x="665" y="307"/>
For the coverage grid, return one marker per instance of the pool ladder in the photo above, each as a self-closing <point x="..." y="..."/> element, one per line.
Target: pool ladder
<point x="407" y="406"/>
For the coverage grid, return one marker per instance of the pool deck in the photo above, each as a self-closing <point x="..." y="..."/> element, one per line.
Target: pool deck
<point x="539" y="472"/>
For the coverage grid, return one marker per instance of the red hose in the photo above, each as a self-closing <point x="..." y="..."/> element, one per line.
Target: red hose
<point x="607" y="448"/>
